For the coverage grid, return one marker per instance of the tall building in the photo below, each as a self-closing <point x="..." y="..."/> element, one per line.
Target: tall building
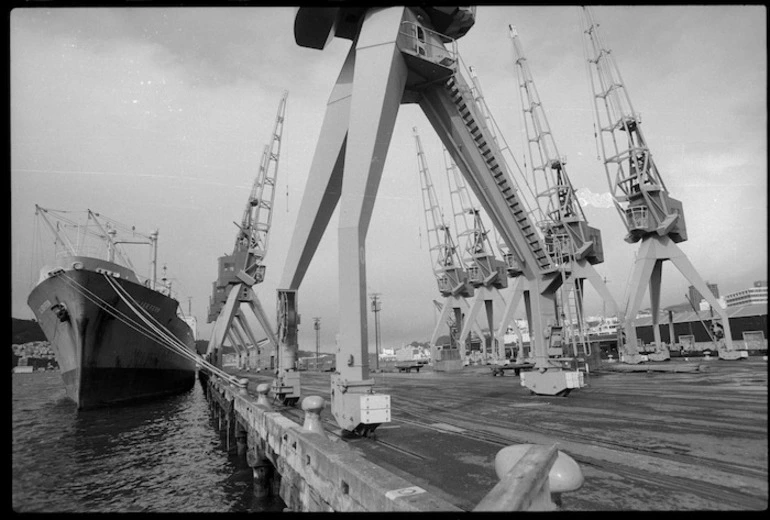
<point x="756" y="294"/>
<point x="696" y="296"/>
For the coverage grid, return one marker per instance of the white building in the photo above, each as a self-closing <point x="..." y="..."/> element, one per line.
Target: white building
<point x="756" y="294"/>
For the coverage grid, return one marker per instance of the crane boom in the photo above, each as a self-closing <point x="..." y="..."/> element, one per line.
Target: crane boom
<point x="564" y="217"/>
<point x="448" y="265"/>
<point x="636" y="185"/>
<point x="651" y="216"/>
<point x="246" y="263"/>
<point x="449" y="270"/>
<point x="259" y="209"/>
<point x="483" y="267"/>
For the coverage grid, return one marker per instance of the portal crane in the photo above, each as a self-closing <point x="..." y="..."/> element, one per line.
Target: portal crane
<point x="449" y="269"/>
<point x="513" y="269"/>
<point x="401" y="55"/>
<point x="574" y="245"/>
<point x="486" y="273"/>
<point x="651" y="216"/>
<point x="244" y="268"/>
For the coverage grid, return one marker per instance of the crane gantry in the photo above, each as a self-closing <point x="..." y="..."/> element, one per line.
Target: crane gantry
<point x="450" y="272"/>
<point x="401" y="55"/>
<point x="652" y="217"/>
<point x="573" y="244"/>
<point x="234" y="296"/>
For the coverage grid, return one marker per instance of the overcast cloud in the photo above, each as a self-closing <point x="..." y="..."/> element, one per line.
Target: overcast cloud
<point x="158" y="117"/>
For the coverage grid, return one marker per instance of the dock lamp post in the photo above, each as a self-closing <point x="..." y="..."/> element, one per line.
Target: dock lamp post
<point x="376" y="306"/>
<point x="317" y="327"/>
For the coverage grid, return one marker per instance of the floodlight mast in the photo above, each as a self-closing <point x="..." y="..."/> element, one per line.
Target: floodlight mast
<point x="651" y="216"/>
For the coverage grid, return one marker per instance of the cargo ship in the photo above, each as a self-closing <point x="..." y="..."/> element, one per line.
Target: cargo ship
<point x="117" y="338"/>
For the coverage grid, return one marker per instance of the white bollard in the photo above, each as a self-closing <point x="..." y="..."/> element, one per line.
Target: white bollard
<point x="313" y="406"/>
<point x="262" y="391"/>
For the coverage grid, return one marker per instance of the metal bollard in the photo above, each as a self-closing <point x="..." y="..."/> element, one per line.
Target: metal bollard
<point x="243" y="386"/>
<point x="262" y="391"/>
<point x="313" y="406"/>
<point x="564" y="475"/>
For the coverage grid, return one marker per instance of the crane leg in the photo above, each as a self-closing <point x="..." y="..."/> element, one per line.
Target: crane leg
<point x="252" y="352"/>
<point x="320" y="198"/>
<point x="685" y="267"/>
<point x="661" y="351"/>
<point x="588" y="272"/>
<point x="242" y="349"/>
<point x="645" y="262"/>
<point x="544" y="378"/>
<point x="442" y="320"/>
<point x="222" y="324"/>
<point x="379" y="78"/>
<point x="324" y="183"/>
<point x="470" y="317"/>
<point x="509" y="312"/>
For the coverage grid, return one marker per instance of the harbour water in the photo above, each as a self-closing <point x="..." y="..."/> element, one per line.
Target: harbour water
<point x="161" y="456"/>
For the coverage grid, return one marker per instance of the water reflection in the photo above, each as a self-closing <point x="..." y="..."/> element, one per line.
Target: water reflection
<point x="159" y="456"/>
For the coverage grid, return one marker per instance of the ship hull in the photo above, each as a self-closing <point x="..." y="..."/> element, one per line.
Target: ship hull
<point x="104" y="359"/>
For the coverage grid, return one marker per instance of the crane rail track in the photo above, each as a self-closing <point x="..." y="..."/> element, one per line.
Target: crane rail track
<point x="632" y="437"/>
<point x="705" y="490"/>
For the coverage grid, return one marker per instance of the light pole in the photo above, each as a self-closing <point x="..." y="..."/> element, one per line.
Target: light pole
<point x="376" y="306"/>
<point x="317" y="327"/>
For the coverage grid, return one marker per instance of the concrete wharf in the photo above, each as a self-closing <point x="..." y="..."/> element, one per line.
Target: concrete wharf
<point x="644" y="441"/>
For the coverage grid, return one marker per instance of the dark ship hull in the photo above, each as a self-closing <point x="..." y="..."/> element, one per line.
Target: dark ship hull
<point x="105" y="359"/>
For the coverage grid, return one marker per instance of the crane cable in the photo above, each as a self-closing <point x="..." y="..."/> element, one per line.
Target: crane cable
<point x="162" y="331"/>
<point x="178" y="348"/>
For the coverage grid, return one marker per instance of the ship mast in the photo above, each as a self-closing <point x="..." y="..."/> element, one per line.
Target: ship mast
<point x="57" y="237"/>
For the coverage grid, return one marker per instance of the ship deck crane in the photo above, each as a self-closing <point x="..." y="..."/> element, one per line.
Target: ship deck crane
<point x="450" y="272"/>
<point x="245" y="268"/>
<point x="400" y="55"/>
<point x="575" y="246"/>
<point x="652" y="217"/>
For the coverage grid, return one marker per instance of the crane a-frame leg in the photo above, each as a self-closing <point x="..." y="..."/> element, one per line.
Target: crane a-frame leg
<point x="320" y="198"/>
<point x="379" y="79"/>
<point x="653" y="251"/>
<point x="354" y="138"/>
<point x="517" y="292"/>
<point x="240" y="298"/>
<point x="581" y="271"/>
<point x="443" y="360"/>
<point x="484" y="296"/>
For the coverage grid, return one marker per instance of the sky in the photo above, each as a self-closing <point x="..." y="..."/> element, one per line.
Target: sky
<point x="157" y="117"/>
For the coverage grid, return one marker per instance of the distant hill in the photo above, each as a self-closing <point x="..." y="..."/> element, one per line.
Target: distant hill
<point x="25" y="331"/>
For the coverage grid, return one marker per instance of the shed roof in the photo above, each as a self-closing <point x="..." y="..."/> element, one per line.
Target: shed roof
<point x="740" y="311"/>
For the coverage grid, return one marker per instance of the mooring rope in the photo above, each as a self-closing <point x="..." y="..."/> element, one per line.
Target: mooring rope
<point x="162" y="331"/>
<point x="153" y="332"/>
